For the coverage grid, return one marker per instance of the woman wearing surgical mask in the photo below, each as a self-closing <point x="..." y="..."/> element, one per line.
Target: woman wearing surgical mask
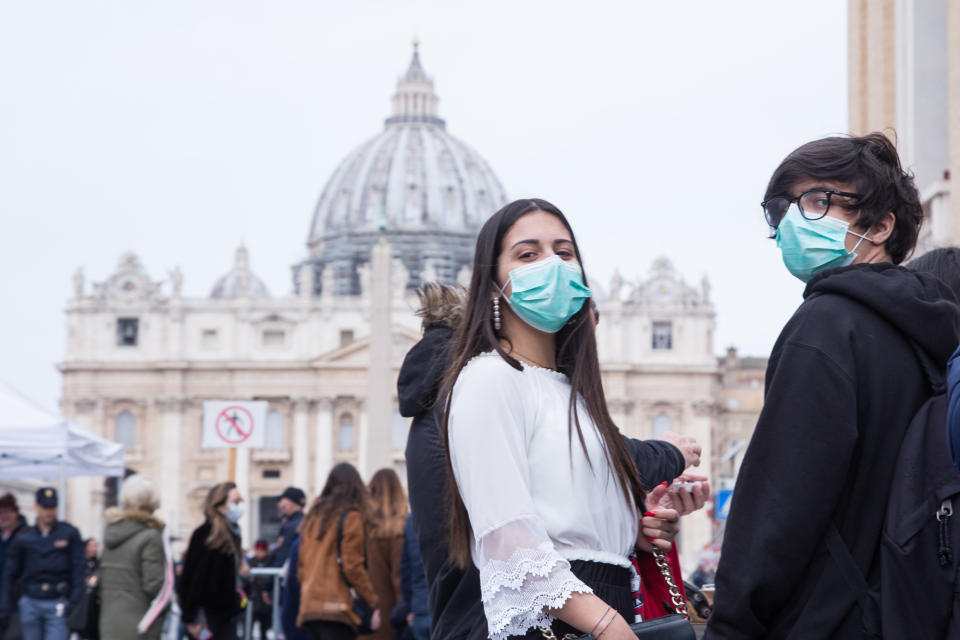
<point x="546" y="499"/>
<point x="210" y="594"/>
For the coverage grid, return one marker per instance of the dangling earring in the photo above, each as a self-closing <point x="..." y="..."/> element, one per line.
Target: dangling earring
<point x="496" y="314"/>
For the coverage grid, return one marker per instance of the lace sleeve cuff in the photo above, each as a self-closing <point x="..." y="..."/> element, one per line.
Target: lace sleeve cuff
<point x="517" y="592"/>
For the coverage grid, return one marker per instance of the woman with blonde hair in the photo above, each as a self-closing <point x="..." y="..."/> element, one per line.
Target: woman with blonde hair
<point x="210" y="593"/>
<point x="331" y="564"/>
<point x="136" y="571"/>
<point x="385" y="545"/>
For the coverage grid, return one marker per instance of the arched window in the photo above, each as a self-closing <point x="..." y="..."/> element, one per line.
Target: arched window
<point x="346" y="433"/>
<point x="126" y="430"/>
<point x="274" y="434"/>
<point x="661" y="424"/>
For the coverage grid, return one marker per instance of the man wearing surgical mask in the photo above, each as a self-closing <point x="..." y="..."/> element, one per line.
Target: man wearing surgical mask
<point x="844" y="380"/>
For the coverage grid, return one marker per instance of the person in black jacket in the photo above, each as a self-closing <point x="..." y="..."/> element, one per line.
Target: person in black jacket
<point x="944" y="263"/>
<point x="455" y="608"/>
<point x="12" y="522"/>
<point x="260" y="588"/>
<point x="843" y="382"/>
<point x="209" y="583"/>
<point x="290" y="505"/>
<point x="414" y="581"/>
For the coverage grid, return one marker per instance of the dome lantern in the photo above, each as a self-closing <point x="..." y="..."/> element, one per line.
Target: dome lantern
<point x="415" y="99"/>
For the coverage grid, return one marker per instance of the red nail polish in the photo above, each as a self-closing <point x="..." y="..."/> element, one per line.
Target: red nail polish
<point x="651" y="539"/>
<point x="650" y="513"/>
<point x="664" y="484"/>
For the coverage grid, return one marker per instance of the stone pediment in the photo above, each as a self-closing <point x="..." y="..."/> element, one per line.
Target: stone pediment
<point x="274" y="320"/>
<point x="358" y="352"/>
<point x="664" y="287"/>
<point x="129" y="282"/>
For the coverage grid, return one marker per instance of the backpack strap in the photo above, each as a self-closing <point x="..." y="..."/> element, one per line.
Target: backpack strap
<point x="343" y="517"/>
<point x="851" y="573"/>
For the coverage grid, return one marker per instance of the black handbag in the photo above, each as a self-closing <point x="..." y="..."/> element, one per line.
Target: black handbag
<point x="84" y="618"/>
<point x="672" y="627"/>
<point x="360" y="607"/>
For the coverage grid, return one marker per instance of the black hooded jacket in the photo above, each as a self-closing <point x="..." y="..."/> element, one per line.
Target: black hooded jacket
<point x="455" y="607"/>
<point x="842" y="385"/>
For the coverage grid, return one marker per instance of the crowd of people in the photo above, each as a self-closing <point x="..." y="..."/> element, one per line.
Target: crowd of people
<point x="530" y="514"/>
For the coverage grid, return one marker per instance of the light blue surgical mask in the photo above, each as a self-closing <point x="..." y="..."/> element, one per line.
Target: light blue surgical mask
<point x="235" y="511"/>
<point x="811" y="246"/>
<point x="547" y="293"/>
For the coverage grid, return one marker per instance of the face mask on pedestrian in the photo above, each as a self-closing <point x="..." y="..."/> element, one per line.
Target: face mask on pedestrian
<point x="235" y="511"/>
<point x="811" y="246"/>
<point x="546" y="293"/>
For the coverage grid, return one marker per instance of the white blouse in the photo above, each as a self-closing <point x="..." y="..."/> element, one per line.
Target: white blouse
<point x="533" y="499"/>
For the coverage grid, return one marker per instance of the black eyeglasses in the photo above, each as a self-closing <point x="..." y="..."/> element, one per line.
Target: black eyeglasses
<point x="813" y="205"/>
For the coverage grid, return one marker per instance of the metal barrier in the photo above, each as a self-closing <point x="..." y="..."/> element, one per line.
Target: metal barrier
<point x="265" y="572"/>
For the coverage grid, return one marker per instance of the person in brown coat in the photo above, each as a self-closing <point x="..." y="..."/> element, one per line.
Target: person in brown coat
<point x="385" y="546"/>
<point x="326" y="604"/>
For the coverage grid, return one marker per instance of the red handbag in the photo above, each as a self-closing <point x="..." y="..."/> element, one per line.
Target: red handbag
<point x="659" y="596"/>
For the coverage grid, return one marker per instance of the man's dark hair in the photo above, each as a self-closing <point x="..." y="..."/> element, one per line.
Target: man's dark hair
<point x="8" y="501"/>
<point x="871" y="165"/>
<point x="944" y="264"/>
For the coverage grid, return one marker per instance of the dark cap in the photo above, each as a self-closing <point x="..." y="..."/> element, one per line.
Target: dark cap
<point x="295" y="495"/>
<point x="47" y="497"/>
<point x="261" y="545"/>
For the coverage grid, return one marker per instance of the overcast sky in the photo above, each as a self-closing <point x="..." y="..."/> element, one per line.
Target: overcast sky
<point x="180" y="129"/>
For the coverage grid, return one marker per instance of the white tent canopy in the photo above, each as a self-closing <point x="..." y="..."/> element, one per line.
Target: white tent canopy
<point x="35" y="443"/>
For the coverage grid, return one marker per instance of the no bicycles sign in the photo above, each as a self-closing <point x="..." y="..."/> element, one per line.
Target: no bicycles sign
<point x="234" y="424"/>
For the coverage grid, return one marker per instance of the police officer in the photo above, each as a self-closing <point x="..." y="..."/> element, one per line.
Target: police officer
<point x="290" y="505"/>
<point x="45" y="564"/>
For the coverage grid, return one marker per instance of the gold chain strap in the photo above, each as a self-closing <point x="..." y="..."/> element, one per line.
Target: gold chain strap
<point x="548" y="634"/>
<point x="676" y="597"/>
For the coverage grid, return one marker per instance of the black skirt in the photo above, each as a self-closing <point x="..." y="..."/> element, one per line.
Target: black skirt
<point x="609" y="582"/>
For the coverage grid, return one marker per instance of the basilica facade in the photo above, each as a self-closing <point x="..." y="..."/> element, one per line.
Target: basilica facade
<point x="401" y="209"/>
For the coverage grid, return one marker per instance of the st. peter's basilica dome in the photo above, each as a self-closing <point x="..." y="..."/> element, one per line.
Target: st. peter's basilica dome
<point x="427" y="191"/>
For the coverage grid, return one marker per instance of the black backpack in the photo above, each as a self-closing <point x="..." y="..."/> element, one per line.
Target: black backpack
<point x="919" y="590"/>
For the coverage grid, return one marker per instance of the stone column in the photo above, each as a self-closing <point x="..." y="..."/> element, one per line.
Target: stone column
<point x="323" y="447"/>
<point x="362" y="438"/>
<point x="301" y="457"/>
<point x="82" y="506"/>
<point x="697" y="528"/>
<point x="170" y="416"/>
<point x="620" y="409"/>
<point x="243" y="486"/>
<point x="953" y="120"/>
<point x="376" y="442"/>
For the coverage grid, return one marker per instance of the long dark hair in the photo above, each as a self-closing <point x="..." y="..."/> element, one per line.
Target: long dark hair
<point x="221" y="536"/>
<point x="343" y="490"/>
<point x="389" y="504"/>
<point x="576" y="354"/>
